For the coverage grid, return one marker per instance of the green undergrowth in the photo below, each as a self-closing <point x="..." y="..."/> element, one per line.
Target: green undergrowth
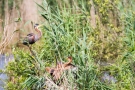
<point x="67" y="31"/>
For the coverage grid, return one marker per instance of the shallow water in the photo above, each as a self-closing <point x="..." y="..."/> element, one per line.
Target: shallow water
<point x="3" y="62"/>
<point x="106" y="77"/>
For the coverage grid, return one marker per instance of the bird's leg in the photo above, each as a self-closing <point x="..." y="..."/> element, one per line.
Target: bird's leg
<point x="33" y="54"/>
<point x="56" y="58"/>
<point x="56" y="62"/>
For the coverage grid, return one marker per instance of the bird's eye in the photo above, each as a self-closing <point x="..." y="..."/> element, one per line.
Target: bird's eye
<point x="36" y="25"/>
<point x="51" y="74"/>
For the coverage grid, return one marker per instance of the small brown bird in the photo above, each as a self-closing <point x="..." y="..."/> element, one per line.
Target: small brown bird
<point x="31" y="38"/>
<point x="56" y="72"/>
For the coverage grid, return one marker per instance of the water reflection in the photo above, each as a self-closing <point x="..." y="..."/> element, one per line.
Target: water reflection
<point x="3" y="62"/>
<point x="106" y="77"/>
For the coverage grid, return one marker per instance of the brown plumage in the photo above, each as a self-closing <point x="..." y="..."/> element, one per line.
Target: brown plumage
<point x="31" y="38"/>
<point x="56" y="72"/>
